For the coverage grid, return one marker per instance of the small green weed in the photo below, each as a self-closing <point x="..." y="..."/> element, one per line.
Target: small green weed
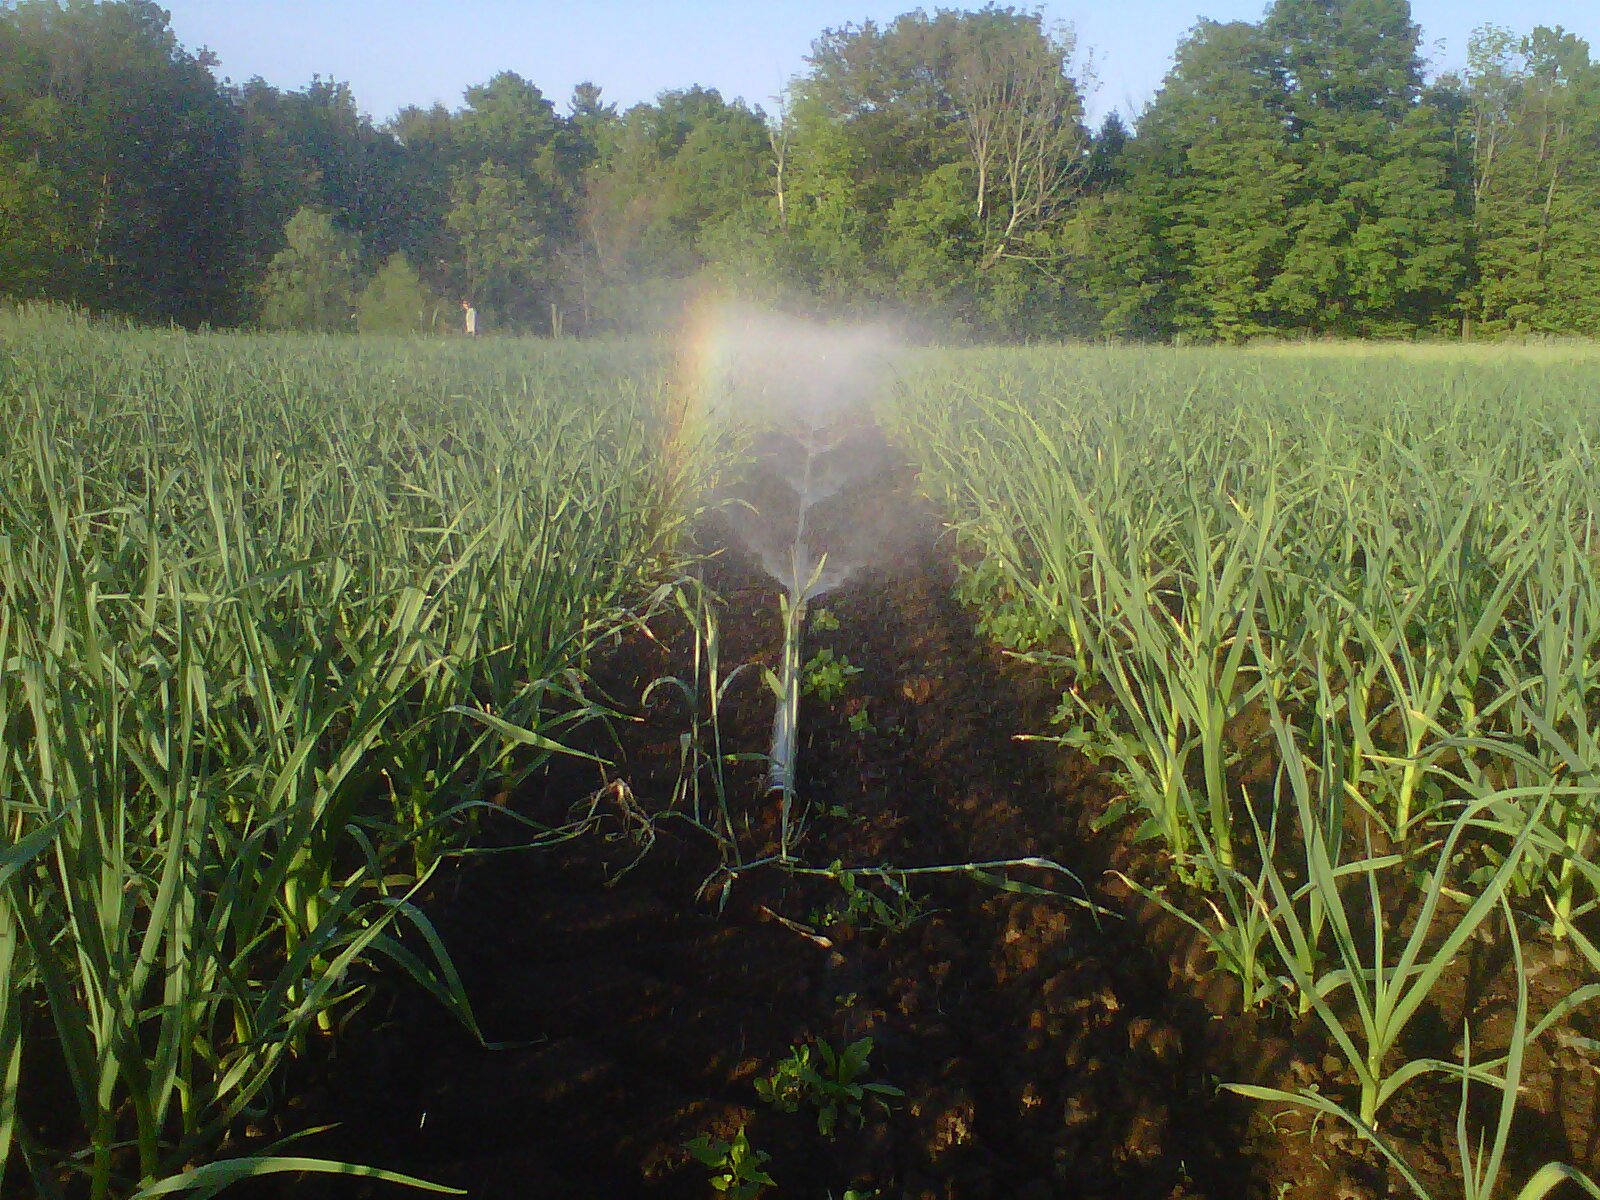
<point x="823" y="621"/>
<point x="861" y="722"/>
<point x="1005" y="617"/>
<point x="861" y="907"/>
<point x="826" y="676"/>
<point x="828" y="1080"/>
<point x="736" y="1166"/>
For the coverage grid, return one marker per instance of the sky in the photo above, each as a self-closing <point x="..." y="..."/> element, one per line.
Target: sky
<point x="399" y="52"/>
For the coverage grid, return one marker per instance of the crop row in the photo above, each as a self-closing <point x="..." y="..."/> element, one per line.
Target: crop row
<point x="276" y="617"/>
<point x="1334" y="624"/>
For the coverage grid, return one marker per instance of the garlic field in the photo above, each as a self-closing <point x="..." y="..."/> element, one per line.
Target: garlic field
<point x="853" y="770"/>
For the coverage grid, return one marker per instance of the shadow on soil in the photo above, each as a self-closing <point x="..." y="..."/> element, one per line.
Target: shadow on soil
<point x="1043" y="1050"/>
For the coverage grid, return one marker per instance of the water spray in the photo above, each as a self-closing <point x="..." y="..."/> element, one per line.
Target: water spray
<point x="802" y="389"/>
<point x="803" y="575"/>
<point x="802" y="393"/>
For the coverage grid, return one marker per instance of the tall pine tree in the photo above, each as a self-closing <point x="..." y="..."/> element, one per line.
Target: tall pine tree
<point x="1291" y="176"/>
<point x="1212" y="175"/>
<point x="1377" y="228"/>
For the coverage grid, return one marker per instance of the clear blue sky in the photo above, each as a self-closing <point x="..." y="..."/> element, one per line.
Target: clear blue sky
<point x="399" y="52"/>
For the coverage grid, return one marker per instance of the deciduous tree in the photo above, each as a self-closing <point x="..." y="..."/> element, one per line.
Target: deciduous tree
<point x="1535" y="105"/>
<point x="312" y="282"/>
<point x="927" y="151"/>
<point x="123" y="170"/>
<point x="396" y="301"/>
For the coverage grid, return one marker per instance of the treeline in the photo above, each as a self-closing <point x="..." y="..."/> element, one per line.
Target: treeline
<point x="1298" y="175"/>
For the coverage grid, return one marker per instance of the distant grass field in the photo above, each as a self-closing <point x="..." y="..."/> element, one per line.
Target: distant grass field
<point x="1534" y="350"/>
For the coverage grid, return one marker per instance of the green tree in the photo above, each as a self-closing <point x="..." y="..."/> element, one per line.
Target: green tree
<point x="313" y="148"/>
<point x="424" y="172"/>
<point x="1535" y="119"/>
<point x="1212" y="175"/>
<point x="666" y="171"/>
<point x="873" y="114"/>
<point x="491" y="197"/>
<point x="508" y="121"/>
<point x="931" y="151"/>
<point x="1291" y="175"/>
<point x="591" y="117"/>
<point x="1020" y="114"/>
<point x="119" y="153"/>
<point x="678" y="185"/>
<point x="311" y="284"/>
<point x="501" y="240"/>
<point x="512" y="168"/>
<point x="1378" y="228"/>
<point x="396" y="301"/>
<point x="35" y="245"/>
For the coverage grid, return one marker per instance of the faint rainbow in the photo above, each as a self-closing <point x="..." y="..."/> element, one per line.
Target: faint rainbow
<point x="698" y="358"/>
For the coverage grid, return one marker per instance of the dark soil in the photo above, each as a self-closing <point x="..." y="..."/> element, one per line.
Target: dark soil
<point x="1043" y="1050"/>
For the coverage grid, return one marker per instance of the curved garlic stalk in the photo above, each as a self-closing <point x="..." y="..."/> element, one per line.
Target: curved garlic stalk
<point x="803" y="575"/>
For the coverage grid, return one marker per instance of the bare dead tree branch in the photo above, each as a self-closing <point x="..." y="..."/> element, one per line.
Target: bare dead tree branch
<point x="1021" y="115"/>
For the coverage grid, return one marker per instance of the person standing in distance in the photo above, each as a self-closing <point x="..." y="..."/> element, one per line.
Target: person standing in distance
<point x="469" y="318"/>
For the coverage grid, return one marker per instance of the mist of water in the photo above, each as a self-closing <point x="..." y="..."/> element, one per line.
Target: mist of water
<point x="804" y="391"/>
<point x="785" y="371"/>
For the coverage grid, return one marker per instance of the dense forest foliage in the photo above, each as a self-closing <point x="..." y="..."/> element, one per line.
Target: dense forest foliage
<point x="1298" y="175"/>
